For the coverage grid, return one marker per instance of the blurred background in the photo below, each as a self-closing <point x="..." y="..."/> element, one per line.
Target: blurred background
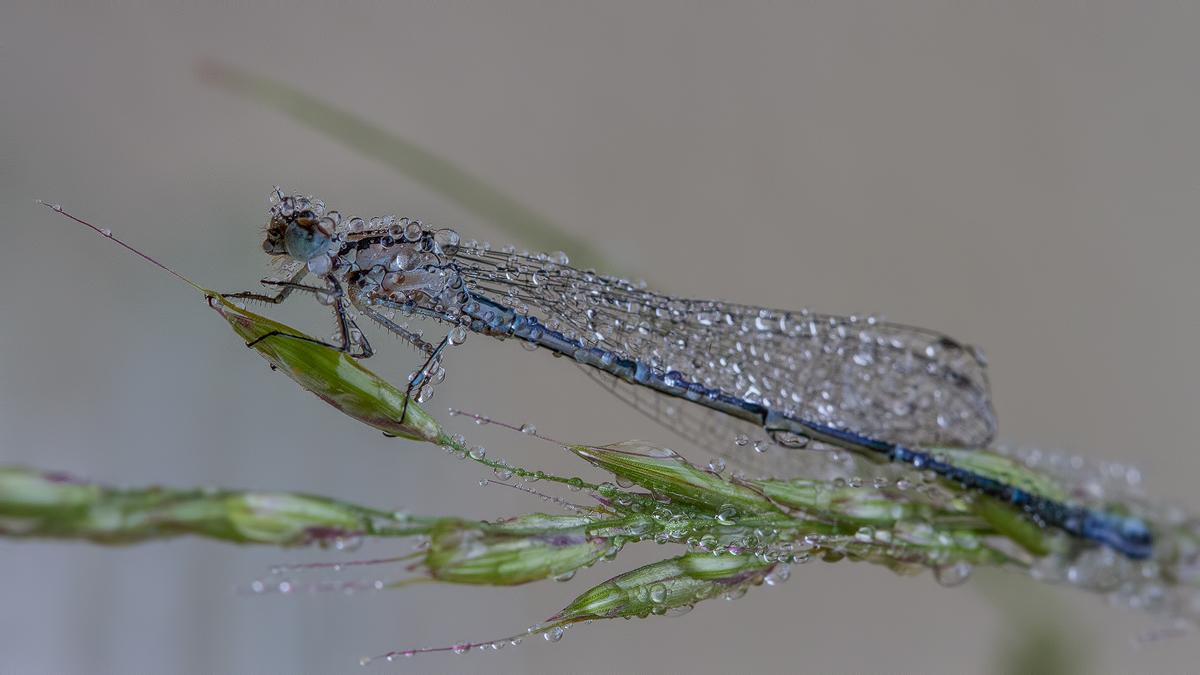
<point x="1022" y="177"/>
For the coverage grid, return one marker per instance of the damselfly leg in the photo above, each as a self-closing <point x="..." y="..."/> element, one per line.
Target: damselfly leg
<point x="332" y="294"/>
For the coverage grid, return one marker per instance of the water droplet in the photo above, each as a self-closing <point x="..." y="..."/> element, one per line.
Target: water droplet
<point x="761" y="446"/>
<point x="554" y="634"/>
<point x="106" y="232"/>
<point x="461" y="648"/>
<point x="741" y="440"/>
<point x="953" y="574"/>
<point x="678" y="611"/>
<point x="565" y="576"/>
<point x="624" y="482"/>
<point x="528" y="429"/>
<point x="658" y="593"/>
<point x="477" y="452"/>
<point x="779" y="574"/>
<point x="717" y="465"/>
<point x="735" y="593"/>
<point x="348" y="544"/>
<point x="790" y="440"/>
<point x="727" y="515"/>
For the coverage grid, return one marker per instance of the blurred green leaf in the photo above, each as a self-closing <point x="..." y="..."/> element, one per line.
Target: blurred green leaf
<point x="407" y="158"/>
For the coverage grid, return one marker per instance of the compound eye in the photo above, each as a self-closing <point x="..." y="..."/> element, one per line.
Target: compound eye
<point x="304" y="240"/>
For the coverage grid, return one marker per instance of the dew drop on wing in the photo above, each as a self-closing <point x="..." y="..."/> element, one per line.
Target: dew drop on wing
<point x="887" y="381"/>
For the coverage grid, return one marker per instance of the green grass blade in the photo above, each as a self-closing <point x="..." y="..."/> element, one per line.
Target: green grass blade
<point x="409" y="159"/>
<point x="334" y="376"/>
<point x="36" y="504"/>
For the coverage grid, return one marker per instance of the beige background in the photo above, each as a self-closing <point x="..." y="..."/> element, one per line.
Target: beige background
<point x="1022" y="177"/>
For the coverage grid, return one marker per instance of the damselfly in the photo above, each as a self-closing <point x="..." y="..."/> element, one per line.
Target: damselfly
<point x="881" y="390"/>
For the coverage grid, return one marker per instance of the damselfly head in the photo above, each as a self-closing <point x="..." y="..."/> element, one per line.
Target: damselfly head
<point x="299" y="229"/>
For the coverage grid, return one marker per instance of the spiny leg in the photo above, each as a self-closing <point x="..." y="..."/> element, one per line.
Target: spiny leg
<point x="409" y="336"/>
<point x="418" y="377"/>
<point x="416" y="341"/>
<point x="302" y="338"/>
<point x="345" y="323"/>
<point x="332" y="291"/>
<point x="305" y="338"/>
<point x="288" y="286"/>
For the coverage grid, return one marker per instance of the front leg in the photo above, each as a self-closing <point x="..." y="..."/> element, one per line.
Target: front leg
<point x="286" y="287"/>
<point x="331" y="294"/>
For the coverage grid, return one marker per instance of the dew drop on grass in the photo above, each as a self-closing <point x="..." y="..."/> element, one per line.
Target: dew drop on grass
<point x="781" y="573"/>
<point x="554" y="634"/>
<point x="348" y="544"/>
<point x="954" y="574"/>
<point x="727" y="515"/>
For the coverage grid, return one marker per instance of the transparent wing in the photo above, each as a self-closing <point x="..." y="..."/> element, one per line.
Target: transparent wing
<point x="741" y="444"/>
<point x="887" y="381"/>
